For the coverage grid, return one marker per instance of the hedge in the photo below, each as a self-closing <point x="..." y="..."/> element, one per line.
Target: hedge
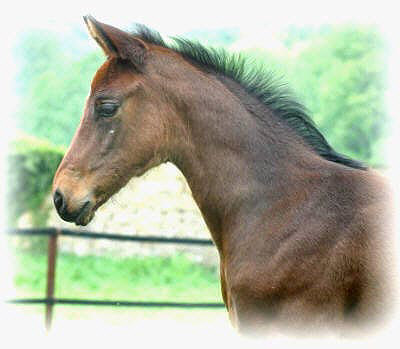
<point x="31" y="164"/>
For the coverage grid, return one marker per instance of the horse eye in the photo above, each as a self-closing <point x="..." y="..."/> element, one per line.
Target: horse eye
<point x="106" y="109"/>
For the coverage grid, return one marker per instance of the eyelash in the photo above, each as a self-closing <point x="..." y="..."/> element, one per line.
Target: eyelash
<point x="106" y="109"/>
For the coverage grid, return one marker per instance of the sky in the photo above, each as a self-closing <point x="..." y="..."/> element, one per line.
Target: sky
<point x="176" y="17"/>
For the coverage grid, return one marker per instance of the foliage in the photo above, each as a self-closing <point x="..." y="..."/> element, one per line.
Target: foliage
<point x="337" y="72"/>
<point x="53" y="87"/>
<point x="30" y="169"/>
<point x="339" y="75"/>
<point x="293" y="35"/>
<point x="220" y="37"/>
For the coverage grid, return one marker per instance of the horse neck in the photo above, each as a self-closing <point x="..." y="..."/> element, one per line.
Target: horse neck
<point x="234" y="166"/>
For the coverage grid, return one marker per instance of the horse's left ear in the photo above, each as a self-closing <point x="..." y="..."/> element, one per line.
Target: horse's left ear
<point x="116" y="42"/>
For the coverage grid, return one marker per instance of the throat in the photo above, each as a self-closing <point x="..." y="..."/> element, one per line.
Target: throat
<point x="234" y="183"/>
<point x="235" y="166"/>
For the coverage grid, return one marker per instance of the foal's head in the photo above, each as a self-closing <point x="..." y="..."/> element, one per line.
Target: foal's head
<point x="124" y="130"/>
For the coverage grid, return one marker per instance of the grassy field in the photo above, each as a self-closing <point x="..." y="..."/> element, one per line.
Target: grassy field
<point x="136" y="278"/>
<point x="174" y="278"/>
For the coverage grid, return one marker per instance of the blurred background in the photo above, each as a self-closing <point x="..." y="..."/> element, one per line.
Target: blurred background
<point x="335" y="61"/>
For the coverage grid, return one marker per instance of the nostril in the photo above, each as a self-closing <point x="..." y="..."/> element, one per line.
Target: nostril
<point x="59" y="201"/>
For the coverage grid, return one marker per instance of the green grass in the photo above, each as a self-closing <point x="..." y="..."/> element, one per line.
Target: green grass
<point x="136" y="278"/>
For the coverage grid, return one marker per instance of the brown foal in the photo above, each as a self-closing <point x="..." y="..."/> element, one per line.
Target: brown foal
<point x="303" y="233"/>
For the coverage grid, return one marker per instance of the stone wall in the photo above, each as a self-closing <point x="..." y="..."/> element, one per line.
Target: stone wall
<point x="158" y="203"/>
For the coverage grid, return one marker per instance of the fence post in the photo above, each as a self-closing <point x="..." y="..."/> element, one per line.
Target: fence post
<point x="51" y="271"/>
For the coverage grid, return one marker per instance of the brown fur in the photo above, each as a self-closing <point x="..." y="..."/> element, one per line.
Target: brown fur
<point x="303" y="242"/>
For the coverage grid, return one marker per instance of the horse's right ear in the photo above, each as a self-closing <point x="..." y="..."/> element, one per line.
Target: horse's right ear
<point x="116" y="42"/>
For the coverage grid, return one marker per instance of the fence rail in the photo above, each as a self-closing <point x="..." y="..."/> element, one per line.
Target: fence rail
<point x="110" y="236"/>
<point x="50" y="300"/>
<point x="113" y="303"/>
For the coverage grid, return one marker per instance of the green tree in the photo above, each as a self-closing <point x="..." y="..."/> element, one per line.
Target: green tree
<point x="53" y="87"/>
<point x="340" y="77"/>
<point x="214" y="37"/>
<point x="31" y="164"/>
<point x="339" y="74"/>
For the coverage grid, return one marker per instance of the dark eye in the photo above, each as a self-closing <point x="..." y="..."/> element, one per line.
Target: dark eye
<point x="106" y="109"/>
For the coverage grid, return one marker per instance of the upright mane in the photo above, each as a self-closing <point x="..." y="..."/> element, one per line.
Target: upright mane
<point x="258" y="82"/>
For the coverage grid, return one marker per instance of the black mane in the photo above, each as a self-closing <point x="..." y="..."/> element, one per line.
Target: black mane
<point x="258" y="82"/>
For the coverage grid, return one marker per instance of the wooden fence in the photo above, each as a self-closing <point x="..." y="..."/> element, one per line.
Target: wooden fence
<point x="50" y="300"/>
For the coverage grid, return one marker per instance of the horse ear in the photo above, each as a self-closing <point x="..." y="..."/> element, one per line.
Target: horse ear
<point x="117" y="43"/>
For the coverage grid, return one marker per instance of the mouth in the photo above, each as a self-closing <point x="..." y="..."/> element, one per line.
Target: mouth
<point x="86" y="215"/>
<point x="88" y="211"/>
<point x="82" y="215"/>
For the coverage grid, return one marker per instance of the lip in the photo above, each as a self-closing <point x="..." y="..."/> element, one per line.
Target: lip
<point x="89" y="210"/>
<point x="85" y="215"/>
